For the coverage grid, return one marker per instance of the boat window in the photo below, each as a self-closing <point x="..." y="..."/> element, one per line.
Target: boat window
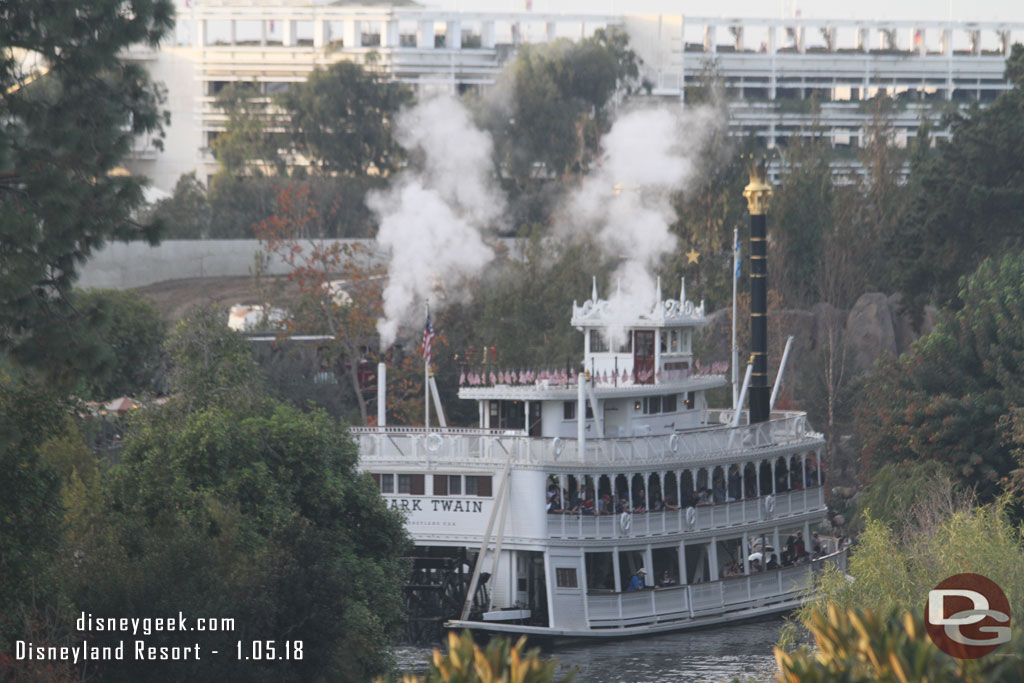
<point x="598" y="344"/>
<point x="569" y="410"/>
<point x="663" y="340"/>
<point x="625" y="346"/>
<point x="454" y="484"/>
<point x="411" y="484"/>
<point x="630" y="562"/>
<point x="698" y="569"/>
<point x="440" y="484"/>
<point x="478" y="485"/>
<point x="673" y="346"/>
<point x="666" y="566"/>
<point x="387" y="483"/>
<point x="600" y="571"/>
<point x="565" y="577"/>
<point x="668" y="403"/>
<point x="652" y="405"/>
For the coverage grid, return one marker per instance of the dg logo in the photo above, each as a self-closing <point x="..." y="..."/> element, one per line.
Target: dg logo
<point x="968" y="616"/>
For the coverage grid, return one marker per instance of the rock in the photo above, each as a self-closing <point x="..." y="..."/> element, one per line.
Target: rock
<point x="870" y="332"/>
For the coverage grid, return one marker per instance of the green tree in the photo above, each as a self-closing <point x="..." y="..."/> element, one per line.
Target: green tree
<point x="71" y="109"/>
<point x="30" y="508"/>
<point x="548" y="117"/>
<point x="247" y="509"/>
<point x="246" y="147"/>
<point x="132" y="333"/>
<point x="186" y="214"/>
<point x="341" y="119"/>
<point x="947" y="398"/>
<point x="964" y="200"/>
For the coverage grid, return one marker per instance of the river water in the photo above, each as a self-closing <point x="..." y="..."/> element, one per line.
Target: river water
<point x="740" y="651"/>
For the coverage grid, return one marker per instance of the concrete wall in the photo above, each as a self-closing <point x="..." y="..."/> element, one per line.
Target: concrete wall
<point x="122" y="265"/>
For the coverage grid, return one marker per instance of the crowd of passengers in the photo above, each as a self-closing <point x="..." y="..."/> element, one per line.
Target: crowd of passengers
<point x="584" y="501"/>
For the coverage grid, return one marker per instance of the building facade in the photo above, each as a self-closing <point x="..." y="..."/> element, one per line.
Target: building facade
<point x="782" y="77"/>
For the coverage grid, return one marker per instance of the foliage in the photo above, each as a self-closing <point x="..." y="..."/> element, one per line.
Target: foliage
<point x="246" y="146"/>
<point x="70" y="113"/>
<point x="860" y="645"/>
<point x="547" y="117"/>
<point x="897" y="489"/>
<point x="801" y="211"/>
<point x="498" y="662"/>
<point x="340" y="119"/>
<point x="963" y="200"/>
<point x="229" y="504"/>
<point x="945" y="399"/>
<point x="893" y="572"/>
<point x="30" y="507"/>
<point x="132" y="333"/>
<point x="211" y="362"/>
<point x="187" y="213"/>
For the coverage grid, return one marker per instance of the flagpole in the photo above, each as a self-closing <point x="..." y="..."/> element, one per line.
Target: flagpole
<point x="735" y="350"/>
<point x="426" y="378"/>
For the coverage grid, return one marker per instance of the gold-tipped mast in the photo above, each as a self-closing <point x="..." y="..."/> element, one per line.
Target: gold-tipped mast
<point x="758" y="193"/>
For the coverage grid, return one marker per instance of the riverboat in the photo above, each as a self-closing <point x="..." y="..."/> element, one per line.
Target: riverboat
<point x="575" y="483"/>
<point x="610" y="499"/>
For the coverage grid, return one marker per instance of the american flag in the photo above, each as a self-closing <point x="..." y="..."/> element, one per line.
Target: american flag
<point x="428" y="338"/>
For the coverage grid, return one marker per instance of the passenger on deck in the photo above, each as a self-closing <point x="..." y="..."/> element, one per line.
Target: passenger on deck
<point x="799" y="549"/>
<point x="704" y="497"/>
<point x="667" y="580"/>
<point x="735" y="483"/>
<point x="637" y="582"/>
<point x="816" y="545"/>
<point x="587" y="507"/>
<point x="604" y="505"/>
<point x="670" y="502"/>
<point x="657" y="505"/>
<point x="773" y="562"/>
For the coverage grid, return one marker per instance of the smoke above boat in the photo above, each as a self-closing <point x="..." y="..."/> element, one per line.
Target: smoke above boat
<point x="438" y="216"/>
<point x="625" y="203"/>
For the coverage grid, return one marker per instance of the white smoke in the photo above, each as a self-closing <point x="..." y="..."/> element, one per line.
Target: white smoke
<point x="433" y="220"/>
<point x="626" y="201"/>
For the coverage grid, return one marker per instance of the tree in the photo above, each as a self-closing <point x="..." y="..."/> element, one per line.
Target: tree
<point x="247" y="509"/>
<point x="132" y="332"/>
<point x="246" y="146"/>
<point x="548" y="118"/>
<point x="186" y="213"/>
<point x="30" y="508"/>
<point x="947" y="398"/>
<point x="964" y="200"/>
<point x="340" y="119"/>
<point x="341" y="287"/>
<point x="71" y="110"/>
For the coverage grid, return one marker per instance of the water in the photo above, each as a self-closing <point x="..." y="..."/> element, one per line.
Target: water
<point x="740" y="651"/>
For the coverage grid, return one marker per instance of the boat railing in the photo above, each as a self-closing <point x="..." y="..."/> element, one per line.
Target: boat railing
<point x="610" y="609"/>
<point x="469" y="446"/>
<point x="781" y="505"/>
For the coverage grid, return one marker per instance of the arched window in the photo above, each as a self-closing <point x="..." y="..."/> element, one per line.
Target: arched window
<point x="639" y="499"/>
<point x="686" y="489"/>
<point x="671" y="492"/>
<point x="655" y="500"/>
<point x="766" y="477"/>
<point x="749" y="481"/>
<point x="718" y="485"/>
<point x="781" y="476"/>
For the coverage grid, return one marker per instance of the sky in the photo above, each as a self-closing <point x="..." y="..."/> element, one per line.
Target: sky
<point x="978" y="10"/>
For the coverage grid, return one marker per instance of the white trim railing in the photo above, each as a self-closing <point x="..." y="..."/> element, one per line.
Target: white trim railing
<point x="408" y="445"/>
<point x="706" y="517"/>
<point x="611" y="610"/>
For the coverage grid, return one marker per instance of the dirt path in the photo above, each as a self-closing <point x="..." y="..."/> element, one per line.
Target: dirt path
<point x="174" y="298"/>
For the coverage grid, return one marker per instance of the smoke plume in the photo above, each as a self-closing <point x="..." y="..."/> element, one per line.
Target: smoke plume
<point x="626" y="201"/>
<point x="435" y="215"/>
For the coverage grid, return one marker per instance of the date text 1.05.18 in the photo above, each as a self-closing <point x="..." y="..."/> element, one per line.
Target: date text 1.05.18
<point x="256" y="650"/>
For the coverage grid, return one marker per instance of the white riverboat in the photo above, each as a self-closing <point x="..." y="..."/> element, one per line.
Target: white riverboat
<point x="574" y="484"/>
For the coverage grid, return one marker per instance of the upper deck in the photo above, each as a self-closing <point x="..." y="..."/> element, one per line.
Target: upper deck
<point x="717" y="443"/>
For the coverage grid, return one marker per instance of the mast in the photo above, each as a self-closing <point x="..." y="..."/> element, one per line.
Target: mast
<point x="757" y="193"/>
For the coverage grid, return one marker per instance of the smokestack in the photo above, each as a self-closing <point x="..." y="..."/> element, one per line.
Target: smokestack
<point x="758" y="192"/>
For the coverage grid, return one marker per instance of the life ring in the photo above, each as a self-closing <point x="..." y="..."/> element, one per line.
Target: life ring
<point x="769" y="504"/>
<point x="673" y="443"/>
<point x="557" y="446"/>
<point x="691" y="516"/>
<point x="434" y="442"/>
<point x="626" y="521"/>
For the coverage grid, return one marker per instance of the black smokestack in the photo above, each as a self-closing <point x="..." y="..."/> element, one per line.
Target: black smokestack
<point x="758" y="193"/>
